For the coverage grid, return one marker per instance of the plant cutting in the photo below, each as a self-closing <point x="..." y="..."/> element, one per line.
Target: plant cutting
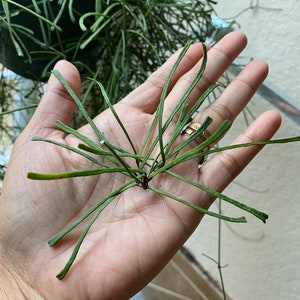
<point x="159" y="155"/>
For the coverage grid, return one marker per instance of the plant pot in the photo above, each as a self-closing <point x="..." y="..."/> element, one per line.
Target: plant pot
<point x="45" y="46"/>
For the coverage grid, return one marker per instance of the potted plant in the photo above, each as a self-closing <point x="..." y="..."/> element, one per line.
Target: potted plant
<point x="115" y="42"/>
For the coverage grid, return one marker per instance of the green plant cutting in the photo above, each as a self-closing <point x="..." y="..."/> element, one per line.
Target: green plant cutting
<point x="142" y="166"/>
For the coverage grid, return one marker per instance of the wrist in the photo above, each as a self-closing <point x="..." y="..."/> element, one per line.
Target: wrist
<point x="13" y="286"/>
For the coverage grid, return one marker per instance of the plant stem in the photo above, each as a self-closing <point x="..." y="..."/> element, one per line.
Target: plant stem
<point x="260" y="215"/>
<point x="113" y="194"/>
<point x="81" y="173"/>
<point x="40" y="17"/>
<point x="198" y="208"/>
<point x="68" y="265"/>
<point x="219" y="250"/>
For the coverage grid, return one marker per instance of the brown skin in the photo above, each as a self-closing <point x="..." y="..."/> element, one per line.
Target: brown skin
<point x="140" y="231"/>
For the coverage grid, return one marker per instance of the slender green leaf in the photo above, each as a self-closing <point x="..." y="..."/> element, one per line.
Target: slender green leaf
<point x="260" y="215"/>
<point x="198" y="208"/>
<point x="81" y="173"/>
<point x="129" y="184"/>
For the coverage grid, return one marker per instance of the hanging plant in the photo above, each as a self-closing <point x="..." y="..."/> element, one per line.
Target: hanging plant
<point x="116" y="42"/>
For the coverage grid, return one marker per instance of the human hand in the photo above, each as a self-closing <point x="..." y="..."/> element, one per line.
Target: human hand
<point x="139" y="232"/>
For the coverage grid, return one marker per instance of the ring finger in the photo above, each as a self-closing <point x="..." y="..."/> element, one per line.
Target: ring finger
<point x="235" y="97"/>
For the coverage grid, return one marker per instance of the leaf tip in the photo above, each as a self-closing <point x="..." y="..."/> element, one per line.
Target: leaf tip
<point x="31" y="175"/>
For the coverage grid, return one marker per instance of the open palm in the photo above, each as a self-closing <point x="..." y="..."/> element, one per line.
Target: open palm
<point x="140" y="231"/>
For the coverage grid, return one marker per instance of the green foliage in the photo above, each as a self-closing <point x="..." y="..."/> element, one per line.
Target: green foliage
<point x="116" y="42"/>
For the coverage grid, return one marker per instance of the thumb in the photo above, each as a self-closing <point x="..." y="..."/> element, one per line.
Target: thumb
<point x="56" y="103"/>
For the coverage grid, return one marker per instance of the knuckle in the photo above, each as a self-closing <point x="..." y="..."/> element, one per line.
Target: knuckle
<point x="229" y="163"/>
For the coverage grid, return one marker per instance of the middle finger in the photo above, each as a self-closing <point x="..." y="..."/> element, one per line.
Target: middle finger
<point x="219" y="59"/>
